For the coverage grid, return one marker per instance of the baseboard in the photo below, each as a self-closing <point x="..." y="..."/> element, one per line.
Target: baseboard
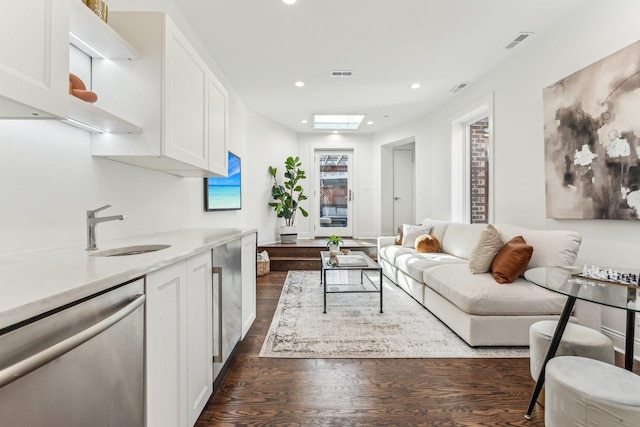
<point x="618" y="339"/>
<point x="247" y="325"/>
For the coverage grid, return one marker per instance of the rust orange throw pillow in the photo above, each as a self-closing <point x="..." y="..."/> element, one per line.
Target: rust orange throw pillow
<point x="511" y="260"/>
<point x="427" y="243"/>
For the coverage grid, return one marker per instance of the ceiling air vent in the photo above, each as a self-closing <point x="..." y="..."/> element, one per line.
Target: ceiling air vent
<point x="457" y="88"/>
<point x="521" y="37"/>
<point x="341" y="73"/>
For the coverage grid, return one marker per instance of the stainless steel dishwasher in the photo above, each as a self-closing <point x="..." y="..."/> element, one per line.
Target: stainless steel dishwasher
<point x="76" y="366"/>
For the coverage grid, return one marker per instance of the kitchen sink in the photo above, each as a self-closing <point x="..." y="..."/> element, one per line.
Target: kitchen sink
<point x="130" y="250"/>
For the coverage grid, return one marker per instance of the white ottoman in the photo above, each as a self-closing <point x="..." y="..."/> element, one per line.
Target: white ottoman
<point x="577" y="340"/>
<point x="584" y="392"/>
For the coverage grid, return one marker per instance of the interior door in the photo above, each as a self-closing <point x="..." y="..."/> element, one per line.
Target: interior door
<point x="403" y="187"/>
<point x="333" y="193"/>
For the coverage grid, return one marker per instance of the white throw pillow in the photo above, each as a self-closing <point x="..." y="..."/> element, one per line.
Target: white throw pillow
<point x="411" y="232"/>
<point x="489" y="244"/>
<point x="550" y="247"/>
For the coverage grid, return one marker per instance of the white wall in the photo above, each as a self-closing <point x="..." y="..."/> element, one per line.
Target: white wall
<point x="592" y="33"/>
<point x="430" y="199"/>
<point x="48" y="180"/>
<point x="366" y="186"/>
<point x="269" y="144"/>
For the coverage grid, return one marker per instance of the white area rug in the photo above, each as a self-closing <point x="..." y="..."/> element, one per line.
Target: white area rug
<point x="353" y="327"/>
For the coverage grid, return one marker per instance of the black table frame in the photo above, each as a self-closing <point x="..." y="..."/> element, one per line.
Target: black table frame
<point x="371" y="266"/>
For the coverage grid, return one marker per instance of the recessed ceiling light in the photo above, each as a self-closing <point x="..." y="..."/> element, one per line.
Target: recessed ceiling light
<point x="299" y="83"/>
<point x="337" y="121"/>
<point x="369" y="122"/>
<point x="415" y="86"/>
<point x="335" y="131"/>
<point x="289" y="1"/>
<point x="304" y="121"/>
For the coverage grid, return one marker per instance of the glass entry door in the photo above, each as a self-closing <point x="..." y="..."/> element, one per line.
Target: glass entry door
<point x="333" y="193"/>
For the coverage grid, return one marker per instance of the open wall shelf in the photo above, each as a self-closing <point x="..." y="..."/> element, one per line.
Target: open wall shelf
<point x="94" y="37"/>
<point x="87" y="116"/>
<point x="98" y="40"/>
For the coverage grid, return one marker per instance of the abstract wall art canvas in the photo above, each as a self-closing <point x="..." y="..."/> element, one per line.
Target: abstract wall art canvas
<point x="592" y="140"/>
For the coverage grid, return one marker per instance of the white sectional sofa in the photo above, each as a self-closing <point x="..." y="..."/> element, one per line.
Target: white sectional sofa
<point x="476" y="307"/>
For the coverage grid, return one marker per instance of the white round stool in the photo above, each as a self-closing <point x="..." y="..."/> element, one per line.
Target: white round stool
<point x="589" y="393"/>
<point x="577" y="340"/>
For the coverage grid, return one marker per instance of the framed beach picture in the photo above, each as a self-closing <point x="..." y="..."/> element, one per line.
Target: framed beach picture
<point x="224" y="194"/>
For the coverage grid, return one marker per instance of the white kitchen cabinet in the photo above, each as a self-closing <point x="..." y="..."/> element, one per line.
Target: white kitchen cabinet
<point x="248" y="282"/>
<point x="199" y="335"/>
<point x="218" y="126"/>
<point x="179" y="342"/>
<point x="166" y="346"/>
<point x="185" y="89"/>
<point x="34" y="57"/>
<point x="170" y="93"/>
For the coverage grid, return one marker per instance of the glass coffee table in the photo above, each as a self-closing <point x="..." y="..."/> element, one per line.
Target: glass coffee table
<point x="366" y="285"/>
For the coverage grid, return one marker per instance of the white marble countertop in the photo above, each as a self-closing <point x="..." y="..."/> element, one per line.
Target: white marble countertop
<point x="36" y="282"/>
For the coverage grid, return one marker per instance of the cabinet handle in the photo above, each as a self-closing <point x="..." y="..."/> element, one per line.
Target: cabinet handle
<point x="217" y="356"/>
<point x="30" y="364"/>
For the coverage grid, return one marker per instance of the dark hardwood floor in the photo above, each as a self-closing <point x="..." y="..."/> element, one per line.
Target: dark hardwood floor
<point x="365" y="392"/>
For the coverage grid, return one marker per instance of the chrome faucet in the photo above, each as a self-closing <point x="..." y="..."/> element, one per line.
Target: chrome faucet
<point x="92" y="221"/>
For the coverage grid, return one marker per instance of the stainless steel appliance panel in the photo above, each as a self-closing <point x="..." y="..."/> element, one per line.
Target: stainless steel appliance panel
<point x="227" y="301"/>
<point x="81" y="366"/>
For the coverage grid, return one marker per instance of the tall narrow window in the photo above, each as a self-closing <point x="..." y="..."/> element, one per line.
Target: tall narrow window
<point x="471" y="164"/>
<point x="479" y="171"/>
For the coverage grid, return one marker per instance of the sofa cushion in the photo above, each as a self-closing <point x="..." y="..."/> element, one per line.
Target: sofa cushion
<point x="511" y="261"/>
<point x="427" y="243"/>
<point x="489" y="244"/>
<point x="411" y="232"/>
<point x="390" y="253"/>
<point x="480" y="294"/>
<point x="414" y="264"/>
<point x="550" y="247"/>
<point x="460" y="239"/>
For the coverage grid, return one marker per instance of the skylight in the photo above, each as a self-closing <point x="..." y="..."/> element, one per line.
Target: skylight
<point x="337" y="121"/>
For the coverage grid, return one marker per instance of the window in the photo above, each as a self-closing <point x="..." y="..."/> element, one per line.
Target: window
<point x="479" y="171"/>
<point x="471" y="165"/>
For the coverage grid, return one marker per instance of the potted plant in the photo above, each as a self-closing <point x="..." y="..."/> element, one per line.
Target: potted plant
<point x="333" y="243"/>
<point x="287" y="197"/>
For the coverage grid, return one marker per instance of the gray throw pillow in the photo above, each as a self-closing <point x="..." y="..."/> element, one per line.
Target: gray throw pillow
<point x="411" y="232"/>
<point x="489" y="244"/>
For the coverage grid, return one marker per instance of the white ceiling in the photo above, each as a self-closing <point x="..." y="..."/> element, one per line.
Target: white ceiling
<point x="264" y="46"/>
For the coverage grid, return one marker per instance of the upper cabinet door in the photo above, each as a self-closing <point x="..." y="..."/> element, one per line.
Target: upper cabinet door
<point x="218" y="126"/>
<point x="185" y="89"/>
<point x="34" y="58"/>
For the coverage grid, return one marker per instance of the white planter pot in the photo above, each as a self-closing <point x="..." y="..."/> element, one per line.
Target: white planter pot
<point x="333" y="249"/>
<point x="288" y="234"/>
